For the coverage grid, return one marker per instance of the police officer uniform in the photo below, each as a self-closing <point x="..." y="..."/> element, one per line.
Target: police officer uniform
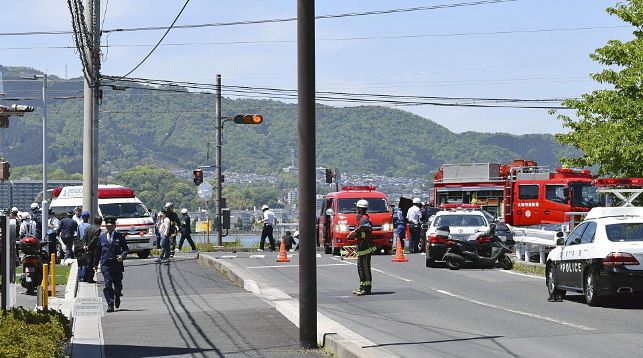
<point x="365" y="248"/>
<point x="111" y="250"/>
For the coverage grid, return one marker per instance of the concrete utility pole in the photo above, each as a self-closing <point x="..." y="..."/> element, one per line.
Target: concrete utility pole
<point x="90" y="122"/>
<point x="307" y="185"/>
<point x="219" y="222"/>
<point x="45" y="204"/>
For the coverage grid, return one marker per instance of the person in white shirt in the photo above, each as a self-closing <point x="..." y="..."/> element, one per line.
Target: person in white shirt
<point x="27" y="226"/>
<point x="414" y="216"/>
<point x="164" y="231"/>
<point x="269" y="221"/>
<point x="52" y="226"/>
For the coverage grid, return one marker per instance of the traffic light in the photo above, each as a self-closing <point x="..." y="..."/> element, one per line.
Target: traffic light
<point x="329" y="175"/>
<point x="198" y="176"/>
<point x="248" y="119"/>
<point x="4" y="171"/>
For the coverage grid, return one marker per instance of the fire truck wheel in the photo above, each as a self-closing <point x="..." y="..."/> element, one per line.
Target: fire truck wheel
<point x="336" y="251"/>
<point x="327" y="248"/>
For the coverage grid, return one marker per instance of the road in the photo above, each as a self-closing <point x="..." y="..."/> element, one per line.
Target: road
<point x="417" y="311"/>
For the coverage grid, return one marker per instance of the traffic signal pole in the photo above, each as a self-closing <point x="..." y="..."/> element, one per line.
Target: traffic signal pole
<point x="219" y="225"/>
<point x="307" y="185"/>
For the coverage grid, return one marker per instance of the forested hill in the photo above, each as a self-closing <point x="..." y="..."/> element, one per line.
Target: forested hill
<point x="171" y="129"/>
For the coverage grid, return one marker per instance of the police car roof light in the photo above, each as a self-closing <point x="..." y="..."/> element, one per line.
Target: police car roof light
<point x="358" y="188"/>
<point x="56" y="191"/>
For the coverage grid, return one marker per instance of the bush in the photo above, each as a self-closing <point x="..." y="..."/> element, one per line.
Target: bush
<point x="33" y="334"/>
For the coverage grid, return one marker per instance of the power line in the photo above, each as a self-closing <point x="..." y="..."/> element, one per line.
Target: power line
<point x="162" y="37"/>
<point x="267" y="21"/>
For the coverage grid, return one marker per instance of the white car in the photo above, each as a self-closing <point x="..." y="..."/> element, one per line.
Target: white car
<point x="461" y="223"/>
<point x="602" y="256"/>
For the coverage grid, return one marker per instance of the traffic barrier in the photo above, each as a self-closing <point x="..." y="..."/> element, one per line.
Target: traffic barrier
<point x="399" y="252"/>
<point x="44" y="286"/>
<point x="348" y="252"/>
<point x="283" y="255"/>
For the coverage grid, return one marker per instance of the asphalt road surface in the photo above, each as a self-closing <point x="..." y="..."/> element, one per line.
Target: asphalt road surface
<point x="423" y="312"/>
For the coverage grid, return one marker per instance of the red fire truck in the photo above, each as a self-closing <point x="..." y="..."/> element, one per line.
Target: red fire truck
<point x="339" y="215"/>
<point x="521" y="193"/>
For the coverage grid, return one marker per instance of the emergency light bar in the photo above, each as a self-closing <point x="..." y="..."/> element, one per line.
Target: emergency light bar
<point x="358" y="187"/>
<point x="618" y="182"/>
<point x="573" y="171"/>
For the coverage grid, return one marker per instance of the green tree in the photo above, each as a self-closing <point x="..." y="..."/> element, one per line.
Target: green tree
<point x="609" y="127"/>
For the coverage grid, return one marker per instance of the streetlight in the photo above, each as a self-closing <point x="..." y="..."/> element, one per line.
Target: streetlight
<point x="44" y="206"/>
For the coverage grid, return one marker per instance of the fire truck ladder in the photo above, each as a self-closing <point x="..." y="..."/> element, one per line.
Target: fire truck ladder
<point x="507" y="200"/>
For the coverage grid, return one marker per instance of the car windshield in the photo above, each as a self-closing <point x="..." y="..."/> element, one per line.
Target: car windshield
<point x="375" y="205"/>
<point x="124" y="210"/>
<point x="584" y="194"/>
<point x="624" y="232"/>
<point x="460" y="220"/>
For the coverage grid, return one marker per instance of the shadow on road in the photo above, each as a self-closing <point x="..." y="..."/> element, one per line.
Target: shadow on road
<point x="435" y="341"/>
<point x="630" y="302"/>
<point x="119" y="350"/>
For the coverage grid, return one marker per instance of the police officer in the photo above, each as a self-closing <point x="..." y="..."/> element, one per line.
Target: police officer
<point x="110" y="253"/>
<point x="186" y="231"/>
<point x="268" y="221"/>
<point x="365" y="248"/>
<point x="414" y="216"/>
<point x="400" y="225"/>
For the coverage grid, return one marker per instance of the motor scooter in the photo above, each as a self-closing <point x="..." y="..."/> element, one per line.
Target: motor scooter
<point x="482" y="249"/>
<point x="32" y="260"/>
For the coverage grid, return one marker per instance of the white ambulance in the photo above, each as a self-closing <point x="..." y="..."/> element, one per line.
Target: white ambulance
<point x="133" y="219"/>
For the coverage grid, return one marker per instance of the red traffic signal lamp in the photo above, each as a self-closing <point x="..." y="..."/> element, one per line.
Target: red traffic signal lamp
<point x="248" y="119"/>
<point x="198" y="176"/>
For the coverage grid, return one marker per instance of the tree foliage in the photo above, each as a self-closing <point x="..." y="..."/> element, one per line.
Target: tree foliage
<point x="609" y="127"/>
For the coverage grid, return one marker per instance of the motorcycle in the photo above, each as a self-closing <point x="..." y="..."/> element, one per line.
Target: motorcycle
<point x="482" y="249"/>
<point x="32" y="260"/>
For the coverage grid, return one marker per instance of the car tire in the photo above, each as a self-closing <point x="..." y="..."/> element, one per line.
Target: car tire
<point x="454" y="262"/>
<point x="590" y="290"/>
<point x="327" y="248"/>
<point x="388" y="250"/>
<point x="143" y="254"/>
<point x="551" y="282"/>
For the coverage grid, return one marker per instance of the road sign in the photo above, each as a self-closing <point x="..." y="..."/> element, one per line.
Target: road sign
<point x="205" y="191"/>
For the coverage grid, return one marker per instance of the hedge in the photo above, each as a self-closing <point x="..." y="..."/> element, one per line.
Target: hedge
<point x="33" y="334"/>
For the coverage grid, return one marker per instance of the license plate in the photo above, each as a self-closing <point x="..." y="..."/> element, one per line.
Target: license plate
<point x="134" y="246"/>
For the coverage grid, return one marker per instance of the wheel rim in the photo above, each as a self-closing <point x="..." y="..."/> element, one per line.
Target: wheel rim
<point x="589" y="289"/>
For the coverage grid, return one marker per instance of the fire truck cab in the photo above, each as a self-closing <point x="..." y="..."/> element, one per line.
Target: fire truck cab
<point x="338" y="217"/>
<point x="520" y="194"/>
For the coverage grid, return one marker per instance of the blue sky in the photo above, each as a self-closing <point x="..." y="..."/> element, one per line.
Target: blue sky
<point x="550" y="64"/>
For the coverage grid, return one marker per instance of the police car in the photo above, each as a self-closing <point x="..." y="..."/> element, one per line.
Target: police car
<point x="462" y="223"/>
<point x="602" y="256"/>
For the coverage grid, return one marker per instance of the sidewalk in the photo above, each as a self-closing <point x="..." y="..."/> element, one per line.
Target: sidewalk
<point x="183" y="310"/>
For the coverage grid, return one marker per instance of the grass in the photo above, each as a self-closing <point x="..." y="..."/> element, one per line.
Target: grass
<point x="532" y="269"/>
<point x="62" y="274"/>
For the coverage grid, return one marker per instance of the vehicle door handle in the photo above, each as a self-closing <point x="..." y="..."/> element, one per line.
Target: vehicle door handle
<point x="546" y="212"/>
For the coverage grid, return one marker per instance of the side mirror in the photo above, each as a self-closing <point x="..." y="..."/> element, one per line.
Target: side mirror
<point x="330" y="212"/>
<point x="560" y="234"/>
<point x="560" y="241"/>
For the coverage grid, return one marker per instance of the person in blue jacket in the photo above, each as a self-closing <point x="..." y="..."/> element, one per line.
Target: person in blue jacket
<point x="110" y="252"/>
<point x="400" y="225"/>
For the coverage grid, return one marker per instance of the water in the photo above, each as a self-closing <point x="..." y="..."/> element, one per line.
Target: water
<point x="246" y="240"/>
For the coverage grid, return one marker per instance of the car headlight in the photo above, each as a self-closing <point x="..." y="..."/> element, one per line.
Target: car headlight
<point x="341" y="228"/>
<point x="387" y="227"/>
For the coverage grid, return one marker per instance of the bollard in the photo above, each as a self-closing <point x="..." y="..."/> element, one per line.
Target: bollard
<point x="45" y="286"/>
<point x="53" y="275"/>
<point x="519" y="251"/>
<point x="527" y="252"/>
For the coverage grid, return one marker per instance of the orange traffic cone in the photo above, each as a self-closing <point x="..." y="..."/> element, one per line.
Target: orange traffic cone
<point x="399" y="252"/>
<point x="283" y="256"/>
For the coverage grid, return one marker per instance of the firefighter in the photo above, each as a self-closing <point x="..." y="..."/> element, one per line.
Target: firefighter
<point x="365" y="248"/>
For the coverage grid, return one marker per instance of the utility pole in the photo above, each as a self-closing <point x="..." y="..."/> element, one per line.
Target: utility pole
<point x="219" y="223"/>
<point x="90" y="122"/>
<point x="45" y="204"/>
<point x="307" y="185"/>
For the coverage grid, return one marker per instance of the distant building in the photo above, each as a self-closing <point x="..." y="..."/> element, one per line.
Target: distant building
<point x="21" y="193"/>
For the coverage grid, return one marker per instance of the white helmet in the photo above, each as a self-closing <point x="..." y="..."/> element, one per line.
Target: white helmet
<point x="296" y="234"/>
<point x="25" y="216"/>
<point x="265" y="207"/>
<point x="362" y="204"/>
<point x="34" y="206"/>
<point x="417" y="201"/>
<point x="184" y="211"/>
<point x="14" y="210"/>
<point x="168" y="205"/>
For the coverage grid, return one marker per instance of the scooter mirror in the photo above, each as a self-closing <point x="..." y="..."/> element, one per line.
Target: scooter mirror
<point x="330" y="212"/>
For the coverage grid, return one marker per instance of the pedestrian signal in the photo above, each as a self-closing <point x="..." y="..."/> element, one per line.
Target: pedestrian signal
<point x="248" y="119"/>
<point x="198" y="176"/>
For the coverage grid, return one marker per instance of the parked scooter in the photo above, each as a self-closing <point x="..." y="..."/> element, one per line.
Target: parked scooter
<point x="482" y="249"/>
<point x="32" y="260"/>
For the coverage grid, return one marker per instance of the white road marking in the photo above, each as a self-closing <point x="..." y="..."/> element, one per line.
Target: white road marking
<point x="380" y="271"/>
<point x="280" y="266"/>
<point x="521" y="274"/>
<point x="318" y="255"/>
<point x="228" y="256"/>
<point x="257" y="256"/>
<point x="532" y="315"/>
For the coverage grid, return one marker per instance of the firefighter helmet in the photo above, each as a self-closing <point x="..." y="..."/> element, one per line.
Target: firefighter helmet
<point x="362" y="204"/>
<point x="417" y="201"/>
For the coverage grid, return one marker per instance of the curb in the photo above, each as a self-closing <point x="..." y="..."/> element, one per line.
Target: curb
<point x="327" y="329"/>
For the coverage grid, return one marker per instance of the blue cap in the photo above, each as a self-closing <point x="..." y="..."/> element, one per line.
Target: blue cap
<point x="84" y="214"/>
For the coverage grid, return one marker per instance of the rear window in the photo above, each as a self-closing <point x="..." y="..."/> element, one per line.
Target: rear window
<point x="460" y="220"/>
<point x="624" y="232"/>
<point x="124" y="210"/>
<point x="375" y="205"/>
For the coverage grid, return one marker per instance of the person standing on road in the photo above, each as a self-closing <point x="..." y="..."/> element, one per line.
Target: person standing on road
<point x="164" y="229"/>
<point x="91" y="237"/>
<point x="414" y="216"/>
<point x="186" y="231"/>
<point x="269" y="221"/>
<point x="110" y="252"/>
<point x="400" y="225"/>
<point x="67" y="229"/>
<point x="365" y="248"/>
<point x="175" y="223"/>
<point x="36" y="217"/>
